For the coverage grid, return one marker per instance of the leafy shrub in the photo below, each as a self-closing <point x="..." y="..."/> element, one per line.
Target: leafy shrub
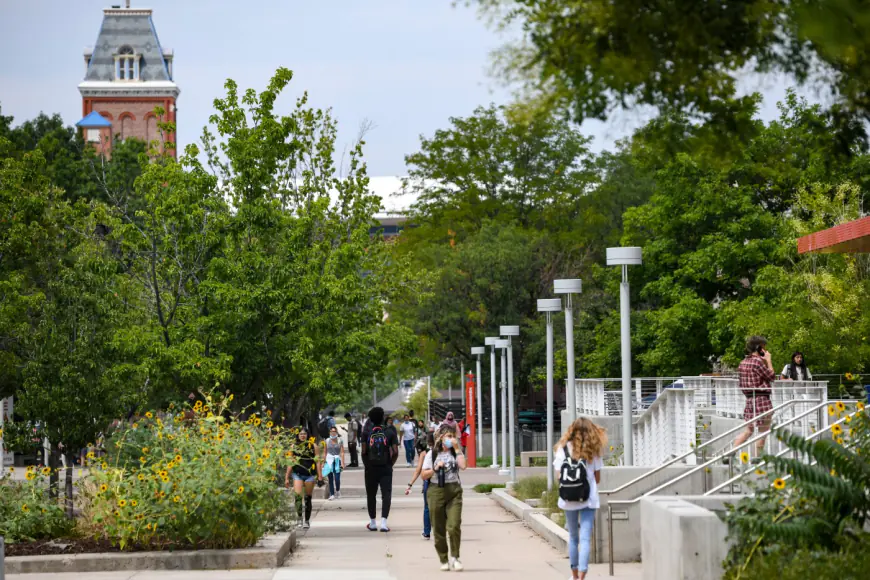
<point x="487" y="487"/>
<point x="26" y="511"/>
<point x="531" y="487"/>
<point x="850" y="562"/>
<point x="204" y="480"/>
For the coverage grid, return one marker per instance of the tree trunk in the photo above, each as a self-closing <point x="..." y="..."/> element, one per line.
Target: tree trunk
<point x="69" y="485"/>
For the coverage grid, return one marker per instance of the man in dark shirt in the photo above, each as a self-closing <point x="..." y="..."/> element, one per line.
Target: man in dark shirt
<point x="756" y="376"/>
<point x="380" y="450"/>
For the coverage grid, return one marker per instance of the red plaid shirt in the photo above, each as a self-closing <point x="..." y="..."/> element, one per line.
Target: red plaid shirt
<point x="755" y="382"/>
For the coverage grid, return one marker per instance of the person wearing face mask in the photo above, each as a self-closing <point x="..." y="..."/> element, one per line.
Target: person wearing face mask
<point x="441" y="468"/>
<point x="333" y="452"/>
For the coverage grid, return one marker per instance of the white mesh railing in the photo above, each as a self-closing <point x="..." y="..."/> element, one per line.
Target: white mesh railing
<point x="667" y="429"/>
<point x="729" y="400"/>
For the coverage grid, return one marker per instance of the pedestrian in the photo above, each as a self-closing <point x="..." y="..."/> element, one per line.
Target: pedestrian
<point x="797" y="369"/>
<point x="304" y="473"/>
<point x="422" y="449"/>
<point x="434" y="424"/>
<point x="353" y="429"/>
<point x="443" y="463"/>
<point x="464" y="431"/>
<point x="422" y="434"/>
<point x="409" y="435"/>
<point x="380" y="450"/>
<point x="756" y="377"/>
<point x="450" y="421"/>
<point x="333" y="456"/>
<point x="578" y="464"/>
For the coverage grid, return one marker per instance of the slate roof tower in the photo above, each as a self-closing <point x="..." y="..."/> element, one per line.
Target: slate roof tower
<point x="127" y="74"/>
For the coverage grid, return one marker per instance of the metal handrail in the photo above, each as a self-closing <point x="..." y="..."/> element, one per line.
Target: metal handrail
<point x="695" y="450"/>
<point x="814" y="435"/>
<point x="715" y="459"/>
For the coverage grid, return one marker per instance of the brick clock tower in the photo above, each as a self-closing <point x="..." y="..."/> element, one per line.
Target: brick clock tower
<point x="127" y="74"/>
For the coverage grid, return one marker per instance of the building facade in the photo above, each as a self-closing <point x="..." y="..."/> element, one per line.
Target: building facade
<point x="127" y="74"/>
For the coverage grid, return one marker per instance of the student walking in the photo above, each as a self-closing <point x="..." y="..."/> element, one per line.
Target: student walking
<point x="409" y="435"/>
<point x="353" y="431"/>
<point x="756" y="376"/>
<point x="380" y="450"/>
<point x="578" y="464"/>
<point x="422" y="449"/>
<point x="441" y="468"/>
<point x="304" y="473"/>
<point x="797" y="369"/>
<point x="333" y="456"/>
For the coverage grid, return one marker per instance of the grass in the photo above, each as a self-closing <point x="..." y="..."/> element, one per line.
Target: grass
<point x="486" y="461"/>
<point x="531" y="487"/>
<point x="487" y="487"/>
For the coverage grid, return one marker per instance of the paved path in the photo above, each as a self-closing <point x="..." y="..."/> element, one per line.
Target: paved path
<point x="494" y="544"/>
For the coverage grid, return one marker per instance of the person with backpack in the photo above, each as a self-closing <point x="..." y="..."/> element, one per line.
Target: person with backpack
<point x="325" y="425"/>
<point x="380" y="450"/>
<point x="353" y="434"/>
<point x="441" y="468"/>
<point x="578" y="466"/>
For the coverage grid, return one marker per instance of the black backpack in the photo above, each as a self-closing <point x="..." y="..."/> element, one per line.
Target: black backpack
<point x="323" y="428"/>
<point x="378" y="451"/>
<point x="573" y="479"/>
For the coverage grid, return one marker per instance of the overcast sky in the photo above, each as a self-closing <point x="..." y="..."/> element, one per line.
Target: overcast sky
<point x="404" y="65"/>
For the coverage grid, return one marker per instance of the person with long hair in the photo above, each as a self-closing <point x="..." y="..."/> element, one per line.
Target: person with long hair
<point x="797" y="369"/>
<point x="332" y="462"/>
<point x="583" y="442"/>
<point x="304" y="473"/>
<point x="444" y="462"/>
<point x="423" y="447"/>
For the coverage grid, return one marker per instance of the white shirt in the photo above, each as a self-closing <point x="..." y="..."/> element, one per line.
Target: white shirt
<point x="595" y="465"/>
<point x="799" y="371"/>
<point x="408" y="429"/>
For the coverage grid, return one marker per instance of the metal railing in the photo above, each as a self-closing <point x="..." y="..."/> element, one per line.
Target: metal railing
<point x="666" y="429"/>
<point x="818" y="409"/>
<point x="729" y="400"/>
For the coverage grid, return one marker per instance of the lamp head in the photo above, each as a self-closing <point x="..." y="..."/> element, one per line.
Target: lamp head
<point x="509" y="330"/>
<point x="478" y="350"/>
<point x="631" y="256"/>
<point x="549" y="304"/>
<point x="574" y="286"/>
<point x="502" y="343"/>
<point x="490" y="340"/>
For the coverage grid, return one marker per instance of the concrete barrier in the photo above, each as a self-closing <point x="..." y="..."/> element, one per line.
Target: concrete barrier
<point x="553" y="533"/>
<point x="515" y="506"/>
<point x="270" y="552"/>
<point x="681" y="539"/>
<point x="526" y="456"/>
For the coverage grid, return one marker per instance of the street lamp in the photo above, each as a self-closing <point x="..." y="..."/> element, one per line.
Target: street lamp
<point x="549" y="305"/>
<point x="493" y="401"/>
<point x="569" y="287"/>
<point x="503" y="344"/>
<point x="479" y="350"/>
<point x="625" y="257"/>
<point x="510" y="331"/>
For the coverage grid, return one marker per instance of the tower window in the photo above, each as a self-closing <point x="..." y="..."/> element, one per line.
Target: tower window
<point x="126" y="64"/>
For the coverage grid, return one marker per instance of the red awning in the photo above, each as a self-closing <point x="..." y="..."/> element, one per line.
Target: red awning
<point x="848" y="238"/>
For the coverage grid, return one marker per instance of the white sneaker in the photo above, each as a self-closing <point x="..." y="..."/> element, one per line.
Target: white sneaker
<point x="338" y="495"/>
<point x="332" y="497"/>
<point x="306" y="525"/>
<point x="445" y="567"/>
<point x="457" y="565"/>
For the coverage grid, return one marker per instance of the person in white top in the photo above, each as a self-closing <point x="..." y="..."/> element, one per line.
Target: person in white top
<point x="584" y="441"/>
<point x="409" y="435"/>
<point x="797" y="369"/>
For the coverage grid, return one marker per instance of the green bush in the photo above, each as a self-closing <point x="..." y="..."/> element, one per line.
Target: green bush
<point x="26" y="511"/>
<point x="531" y="487"/>
<point x="487" y="487"/>
<point x="200" y="481"/>
<point x="849" y="562"/>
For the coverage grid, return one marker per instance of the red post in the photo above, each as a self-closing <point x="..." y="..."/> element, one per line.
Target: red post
<point x="471" y="421"/>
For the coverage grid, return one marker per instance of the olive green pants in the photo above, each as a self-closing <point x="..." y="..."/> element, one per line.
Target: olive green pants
<point x="445" y="509"/>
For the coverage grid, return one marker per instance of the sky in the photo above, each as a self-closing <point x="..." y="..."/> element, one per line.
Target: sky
<point x="405" y="66"/>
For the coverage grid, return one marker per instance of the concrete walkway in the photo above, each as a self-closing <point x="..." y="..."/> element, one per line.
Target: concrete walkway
<point x="494" y="543"/>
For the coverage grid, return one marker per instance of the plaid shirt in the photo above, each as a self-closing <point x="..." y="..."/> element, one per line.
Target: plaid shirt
<point x="755" y="382"/>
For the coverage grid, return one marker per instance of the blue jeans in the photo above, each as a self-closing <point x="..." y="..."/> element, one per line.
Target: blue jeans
<point x="409" y="450"/>
<point x="334" y="482"/>
<point x="579" y="537"/>
<point x="427" y="523"/>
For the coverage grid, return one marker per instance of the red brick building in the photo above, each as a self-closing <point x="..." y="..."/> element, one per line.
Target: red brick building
<point x="127" y="74"/>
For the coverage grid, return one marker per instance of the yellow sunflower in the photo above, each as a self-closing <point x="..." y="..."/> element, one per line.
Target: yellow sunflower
<point x="149" y="415"/>
<point x="836" y="429"/>
<point x="860" y="406"/>
<point x="841" y="406"/>
<point x="744" y="457"/>
<point x="134" y="503"/>
<point x="779" y="483"/>
<point x="241" y="489"/>
<point x="104" y="488"/>
<point x="831" y="410"/>
<point x="176" y="499"/>
<point x="122" y="503"/>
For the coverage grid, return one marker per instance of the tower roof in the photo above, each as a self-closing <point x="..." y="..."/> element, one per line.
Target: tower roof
<point x="128" y="27"/>
<point x="94" y="120"/>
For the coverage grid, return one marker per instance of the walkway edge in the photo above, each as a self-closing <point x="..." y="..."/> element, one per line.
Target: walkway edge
<point x="270" y="552"/>
<point x="534" y="518"/>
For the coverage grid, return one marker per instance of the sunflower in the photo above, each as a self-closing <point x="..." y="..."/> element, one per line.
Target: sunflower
<point x="259" y="461"/>
<point x="105" y="465"/>
<point x="841" y="406"/>
<point x="241" y="489"/>
<point x="848" y="418"/>
<point x="148" y="526"/>
<point x="779" y="483"/>
<point x="760" y="472"/>
<point x="837" y="429"/>
<point x="90" y="455"/>
<point x="24" y="508"/>
<point x="142" y="459"/>
<point x="849" y="376"/>
<point x="149" y="415"/>
<point x="122" y="503"/>
<point x="247" y="434"/>
<point x="135" y="425"/>
<point x="831" y="410"/>
<point x="840" y="440"/>
<point x="247" y="457"/>
<point x="860" y="406"/>
<point x="266" y="453"/>
<point x="134" y="503"/>
<point x="164" y="479"/>
<point x="744" y="457"/>
<point x="288" y="454"/>
<point x="104" y="488"/>
<point x="163" y="473"/>
<point x="269" y="425"/>
<point x="177" y="459"/>
<point x="141" y="477"/>
<point x="257" y="422"/>
<point x="145" y="450"/>
<point x="30" y="476"/>
<point x="176" y="499"/>
<point x="161" y="495"/>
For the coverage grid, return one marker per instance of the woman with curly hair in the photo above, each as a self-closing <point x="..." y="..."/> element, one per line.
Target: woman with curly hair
<point x="582" y="442"/>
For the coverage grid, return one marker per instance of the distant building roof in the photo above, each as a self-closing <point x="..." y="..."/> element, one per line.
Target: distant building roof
<point x="851" y="237"/>
<point x="131" y="27"/>
<point x="94" y="120"/>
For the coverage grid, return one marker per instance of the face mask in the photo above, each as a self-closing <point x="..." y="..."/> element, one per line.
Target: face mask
<point x="333" y="436"/>
<point x="448" y="443"/>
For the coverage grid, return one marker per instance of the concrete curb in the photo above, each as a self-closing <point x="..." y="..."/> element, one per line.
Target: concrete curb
<point x="534" y="518"/>
<point x="270" y="552"/>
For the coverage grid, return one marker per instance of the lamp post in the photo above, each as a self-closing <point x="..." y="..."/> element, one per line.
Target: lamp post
<point x="549" y="305"/>
<point x="569" y="287"/>
<point x="625" y="257"/>
<point x="493" y="401"/>
<point x="510" y="331"/>
<point x="503" y="344"/>
<point x="479" y="350"/>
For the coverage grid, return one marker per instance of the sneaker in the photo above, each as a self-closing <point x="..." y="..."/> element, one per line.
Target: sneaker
<point x="332" y="497"/>
<point x="425" y="536"/>
<point x="445" y="567"/>
<point x="338" y="495"/>
<point x="457" y="565"/>
<point x="306" y="525"/>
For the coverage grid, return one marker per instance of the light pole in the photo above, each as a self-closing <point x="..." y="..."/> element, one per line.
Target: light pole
<point x="503" y="345"/>
<point x="510" y="331"/>
<point x="479" y="350"/>
<point x="549" y="305"/>
<point x="428" y="400"/>
<point x="493" y="401"/>
<point x="569" y="287"/>
<point x="625" y="257"/>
